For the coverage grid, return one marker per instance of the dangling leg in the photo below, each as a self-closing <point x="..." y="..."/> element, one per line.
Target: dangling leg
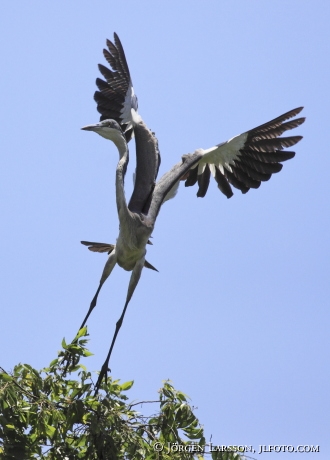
<point x="111" y="262"/>
<point x="136" y="273"/>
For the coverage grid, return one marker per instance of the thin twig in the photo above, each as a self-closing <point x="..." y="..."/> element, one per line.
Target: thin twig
<point x="144" y="402"/>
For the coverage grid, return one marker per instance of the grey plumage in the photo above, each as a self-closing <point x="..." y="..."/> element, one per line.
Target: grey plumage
<point x="244" y="162"/>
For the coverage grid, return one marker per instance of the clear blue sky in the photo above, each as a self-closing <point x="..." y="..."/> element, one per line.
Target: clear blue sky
<point x="238" y="315"/>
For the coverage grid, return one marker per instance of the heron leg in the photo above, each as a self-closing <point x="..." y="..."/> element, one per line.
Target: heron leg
<point x="111" y="262"/>
<point x="135" y="277"/>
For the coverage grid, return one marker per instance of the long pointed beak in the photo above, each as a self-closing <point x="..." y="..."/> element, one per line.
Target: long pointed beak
<point x="90" y="127"/>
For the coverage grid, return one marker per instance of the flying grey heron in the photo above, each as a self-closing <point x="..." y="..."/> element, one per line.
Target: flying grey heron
<point x="244" y="162"/>
<point x="116" y="100"/>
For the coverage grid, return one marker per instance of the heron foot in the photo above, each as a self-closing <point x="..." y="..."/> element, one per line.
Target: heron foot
<point x="103" y="373"/>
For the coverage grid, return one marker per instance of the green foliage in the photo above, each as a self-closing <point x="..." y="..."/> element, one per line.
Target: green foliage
<point x="52" y="415"/>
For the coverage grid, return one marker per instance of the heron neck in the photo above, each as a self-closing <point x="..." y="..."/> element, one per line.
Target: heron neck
<point x="120" y="177"/>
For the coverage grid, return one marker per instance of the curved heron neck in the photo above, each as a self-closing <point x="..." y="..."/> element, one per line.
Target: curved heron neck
<point x="120" y="176"/>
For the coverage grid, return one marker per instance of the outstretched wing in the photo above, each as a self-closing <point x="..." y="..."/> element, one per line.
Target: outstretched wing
<point x="244" y="161"/>
<point x="116" y="97"/>
<point x="248" y="159"/>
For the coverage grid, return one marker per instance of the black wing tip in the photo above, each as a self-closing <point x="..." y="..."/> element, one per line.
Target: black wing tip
<point x="203" y="180"/>
<point x="109" y="43"/>
<point x="116" y="38"/>
<point x="294" y="112"/>
<point x="288" y="155"/>
<point x="227" y="193"/>
<point x="102" y="68"/>
<point x="299" y="121"/>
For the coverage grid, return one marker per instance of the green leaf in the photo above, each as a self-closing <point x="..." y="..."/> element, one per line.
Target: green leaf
<point x="87" y="353"/>
<point x="74" y="348"/>
<point x="127" y="385"/>
<point x="64" y="345"/>
<point x="50" y="430"/>
<point x="81" y="332"/>
<point x="6" y="377"/>
<point x="181" y="396"/>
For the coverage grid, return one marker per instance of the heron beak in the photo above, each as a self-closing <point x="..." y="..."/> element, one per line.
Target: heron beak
<point x="90" y="127"/>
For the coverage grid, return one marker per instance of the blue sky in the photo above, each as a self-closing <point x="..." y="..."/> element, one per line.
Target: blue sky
<point x="238" y="315"/>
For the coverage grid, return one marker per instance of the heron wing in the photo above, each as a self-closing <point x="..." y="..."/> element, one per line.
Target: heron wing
<point x="115" y="97"/>
<point x="169" y="180"/>
<point x="244" y="161"/>
<point x="147" y="166"/>
<point x="248" y="159"/>
<point x="116" y="100"/>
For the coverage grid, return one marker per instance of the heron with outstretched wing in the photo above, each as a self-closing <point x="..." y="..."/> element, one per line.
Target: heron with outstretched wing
<point x="243" y="162"/>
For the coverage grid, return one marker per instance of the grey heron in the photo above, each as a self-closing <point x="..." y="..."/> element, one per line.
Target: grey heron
<point x="244" y="161"/>
<point x="116" y="100"/>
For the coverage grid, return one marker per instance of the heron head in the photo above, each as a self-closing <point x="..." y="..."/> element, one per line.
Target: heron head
<point x="109" y="129"/>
